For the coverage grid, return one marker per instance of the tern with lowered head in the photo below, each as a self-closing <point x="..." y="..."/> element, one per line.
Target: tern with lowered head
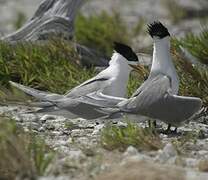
<point x="112" y="81"/>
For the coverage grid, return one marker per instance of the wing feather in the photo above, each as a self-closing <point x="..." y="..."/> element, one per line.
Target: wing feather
<point x="156" y="100"/>
<point x="40" y="95"/>
<point x="89" y="86"/>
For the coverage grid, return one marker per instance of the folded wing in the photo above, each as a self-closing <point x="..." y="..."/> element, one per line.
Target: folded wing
<point x="156" y="101"/>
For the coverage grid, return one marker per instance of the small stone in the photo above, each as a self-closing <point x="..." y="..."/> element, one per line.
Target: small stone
<point x="202" y="152"/>
<point x="122" y="124"/>
<point x="47" y="117"/>
<point x="191" y="162"/>
<point x="131" y="151"/>
<point x="167" y="153"/>
<point x="41" y="129"/>
<point x="70" y="140"/>
<point x="77" y="133"/>
<point x="97" y="129"/>
<point x="203" y="165"/>
<point x="76" y="155"/>
<point x="54" y="178"/>
<point x="50" y="127"/>
<point x="66" y="132"/>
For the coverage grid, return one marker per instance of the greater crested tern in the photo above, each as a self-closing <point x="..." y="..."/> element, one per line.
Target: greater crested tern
<point x="112" y="81"/>
<point x="157" y="97"/>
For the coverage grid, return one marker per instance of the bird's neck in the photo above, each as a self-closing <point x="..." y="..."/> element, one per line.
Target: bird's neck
<point x="162" y="61"/>
<point x="120" y="63"/>
<point x="121" y="70"/>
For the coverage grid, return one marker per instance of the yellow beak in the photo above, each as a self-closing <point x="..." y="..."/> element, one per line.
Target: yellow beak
<point x="139" y="68"/>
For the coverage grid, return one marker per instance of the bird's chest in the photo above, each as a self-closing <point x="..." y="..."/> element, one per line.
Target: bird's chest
<point x="117" y="87"/>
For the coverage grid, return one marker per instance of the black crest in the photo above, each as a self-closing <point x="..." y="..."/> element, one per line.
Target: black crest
<point x="125" y="51"/>
<point x="157" y="29"/>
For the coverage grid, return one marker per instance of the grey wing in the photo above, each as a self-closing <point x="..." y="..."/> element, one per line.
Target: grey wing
<point x="141" y="88"/>
<point x="101" y="100"/>
<point x="79" y="108"/>
<point x="92" y="85"/>
<point x="40" y="95"/>
<point x="157" y="101"/>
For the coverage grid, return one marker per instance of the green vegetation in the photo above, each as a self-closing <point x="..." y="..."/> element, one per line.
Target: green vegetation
<point x="197" y="45"/>
<point x="182" y="143"/>
<point x="53" y="66"/>
<point x="100" y="31"/>
<point x="20" y="20"/>
<point x="23" y="155"/>
<point x="193" y="78"/>
<point x="70" y="125"/>
<point x="114" y="137"/>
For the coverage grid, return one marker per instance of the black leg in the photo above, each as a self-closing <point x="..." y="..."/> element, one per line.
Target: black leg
<point x="175" y="130"/>
<point x="169" y="128"/>
<point x="149" y="123"/>
<point x="155" y="123"/>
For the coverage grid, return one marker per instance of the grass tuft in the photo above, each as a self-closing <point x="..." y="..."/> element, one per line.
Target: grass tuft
<point x="182" y="143"/>
<point x="193" y="78"/>
<point x="100" y="31"/>
<point x="19" y="20"/>
<point x="121" y="138"/>
<point x="23" y="155"/>
<point x="53" y="66"/>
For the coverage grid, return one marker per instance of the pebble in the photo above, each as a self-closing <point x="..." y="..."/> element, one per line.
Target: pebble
<point x="47" y="117"/>
<point x="130" y="151"/>
<point x="97" y="129"/>
<point x="168" y="153"/>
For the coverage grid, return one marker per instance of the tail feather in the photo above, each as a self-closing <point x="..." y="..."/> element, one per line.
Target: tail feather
<point x="40" y="95"/>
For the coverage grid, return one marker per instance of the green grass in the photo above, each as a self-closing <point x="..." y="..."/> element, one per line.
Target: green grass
<point x="182" y="142"/>
<point x="100" y="31"/>
<point x="197" y="45"/>
<point x="53" y="66"/>
<point x="23" y="155"/>
<point x="135" y="80"/>
<point x="121" y="138"/>
<point x="193" y="79"/>
<point x="19" y="20"/>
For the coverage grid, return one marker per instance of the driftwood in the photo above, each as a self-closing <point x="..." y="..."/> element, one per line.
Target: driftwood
<point x="52" y="17"/>
<point x="55" y="18"/>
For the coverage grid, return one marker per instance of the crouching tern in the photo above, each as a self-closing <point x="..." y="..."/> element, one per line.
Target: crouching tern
<point x="157" y="97"/>
<point x="112" y="81"/>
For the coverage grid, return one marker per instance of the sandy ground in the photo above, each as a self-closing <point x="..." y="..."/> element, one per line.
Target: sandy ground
<point x="81" y="156"/>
